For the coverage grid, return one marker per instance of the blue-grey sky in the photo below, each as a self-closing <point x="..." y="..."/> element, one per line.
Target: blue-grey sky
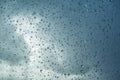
<point x="59" y="39"/>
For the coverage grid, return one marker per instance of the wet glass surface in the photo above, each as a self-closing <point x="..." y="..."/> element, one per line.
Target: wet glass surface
<point x="59" y="40"/>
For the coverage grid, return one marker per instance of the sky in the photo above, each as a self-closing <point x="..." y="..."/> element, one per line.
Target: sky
<point x="59" y="40"/>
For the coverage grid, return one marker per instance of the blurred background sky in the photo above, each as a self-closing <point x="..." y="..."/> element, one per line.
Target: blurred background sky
<point x="59" y="39"/>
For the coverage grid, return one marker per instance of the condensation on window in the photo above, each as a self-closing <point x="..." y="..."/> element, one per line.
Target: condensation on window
<point x="59" y="40"/>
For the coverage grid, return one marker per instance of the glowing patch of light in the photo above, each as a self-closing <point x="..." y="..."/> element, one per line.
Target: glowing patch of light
<point x="23" y="25"/>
